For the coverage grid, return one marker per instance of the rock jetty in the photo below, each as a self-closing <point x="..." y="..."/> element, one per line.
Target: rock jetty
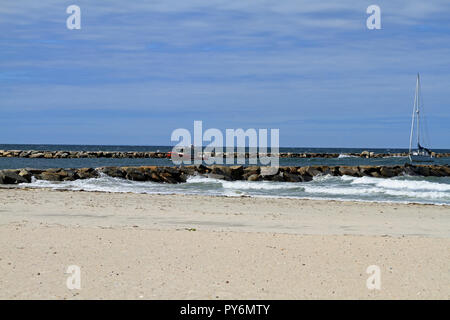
<point x="149" y="154"/>
<point x="230" y="173"/>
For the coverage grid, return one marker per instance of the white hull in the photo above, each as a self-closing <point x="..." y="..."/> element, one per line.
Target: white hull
<point x="420" y="158"/>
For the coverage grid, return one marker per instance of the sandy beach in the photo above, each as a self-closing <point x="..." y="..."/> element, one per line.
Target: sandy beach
<point x="140" y="246"/>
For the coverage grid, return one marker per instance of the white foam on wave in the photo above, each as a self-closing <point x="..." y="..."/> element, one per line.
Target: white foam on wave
<point x="259" y="185"/>
<point x="374" y="192"/>
<point x="103" y="184"/>
<point x="245" y="185"/>
<point x="399" y="183"/>
<point x="342" y="155"/>
<point x="398" y="189"/>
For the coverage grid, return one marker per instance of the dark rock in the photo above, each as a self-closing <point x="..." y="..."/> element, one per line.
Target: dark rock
<point x="49" y="176"/>
<point x="231" y="172"/>
<point x="36" y="155"/>
<point x="366" y="170"/>
<point x="87" y="173"/>
<point x="68" y="175"/>
<point x="278" y="178"/>
<point x="11" y="177"/>
<point x="202" y="169"/>
<point x="313" y="171"/>
<point x="423" y="170"/>
<point x="437" y="172"/>
<point x="445" y="171"/>
<point x="236" y="172"/>
<point x="387" y="172"/>
<point x="306" y="178"/>
<point x="114" y="172"/>
<point x="252" y="170"/>
<point x="310" y="171"/>
<point x="349" y="171"/>
<point x="155" y="177"/>
<point x="409" y="170"/>
<point x="135" y="174"/>
<point x="188" y="170"/>
<point x="168" y="178"/>
<point x="182" y="178"/>
<point x="289" y="177"/>
<point x="325" y="170"/>
<point x="25" y="174"/>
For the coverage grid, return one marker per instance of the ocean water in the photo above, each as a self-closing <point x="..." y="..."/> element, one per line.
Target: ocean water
<point x="404" y="189"/>
<point x="15" y="163"/>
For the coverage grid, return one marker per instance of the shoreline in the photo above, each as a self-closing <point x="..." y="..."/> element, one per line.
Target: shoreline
<point x="356" y="201"/>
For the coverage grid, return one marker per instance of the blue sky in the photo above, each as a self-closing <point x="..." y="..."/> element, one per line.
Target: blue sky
<point x="137" y="70"/>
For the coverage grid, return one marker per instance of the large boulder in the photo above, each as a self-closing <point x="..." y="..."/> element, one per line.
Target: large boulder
<point x="49" y="176"/>
<point x="188" y="170"/>
<point x="36" y="155"/>
<point x="388" y="172"/>
<point x="68" y="174"/>
<point x="26" y="174"/>
<point x="279" y="177"/>
<point x="155" y="177"/>
<point x="114" y="172"/>
<point x="306" y="178"/>
<point x="445" y="170"/>
<point x="231" y="172"/>
<point x="87" y="173"/>
<point x="254" y="177"/>
<point x="410" y="170"/>
<point x="135" y="174"/>
<point x="423" y="170"/>
<point x="289" y="177"/>
<point x="202" y="169"/>
<point x="267" y="171"/>
<point x="310" y="171"/>
<point x="366" y="170"/>
<point x="365" y="154"/>
<point x="252" y="170"/>
<point x="11" y="177"/>
<point x="437" y="171"/>
<point x="170" y="178"/>
<point x="325" y="170"/>
<point x="349" y="171"/>
<point x="173" y="175"/>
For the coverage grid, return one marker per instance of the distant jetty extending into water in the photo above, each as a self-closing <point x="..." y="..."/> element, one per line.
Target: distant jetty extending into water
<point x="172" y="175"/>
<point x="39" y="154"/>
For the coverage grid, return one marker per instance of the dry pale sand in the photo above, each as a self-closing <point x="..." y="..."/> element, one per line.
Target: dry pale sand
<point x="191" y="247"/>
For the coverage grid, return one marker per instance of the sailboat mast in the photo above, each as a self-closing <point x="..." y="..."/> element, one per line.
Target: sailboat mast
<point x="417" y="110"/>
<point x="412" y="118"/>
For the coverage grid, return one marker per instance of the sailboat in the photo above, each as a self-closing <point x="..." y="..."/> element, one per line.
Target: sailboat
<point x="421" y="154"/>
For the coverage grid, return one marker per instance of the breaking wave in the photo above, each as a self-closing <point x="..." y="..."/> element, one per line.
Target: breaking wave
<point x="431" y="190"/>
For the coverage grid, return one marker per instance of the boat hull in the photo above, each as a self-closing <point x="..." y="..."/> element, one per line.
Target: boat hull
<point x="420" y="158"/>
